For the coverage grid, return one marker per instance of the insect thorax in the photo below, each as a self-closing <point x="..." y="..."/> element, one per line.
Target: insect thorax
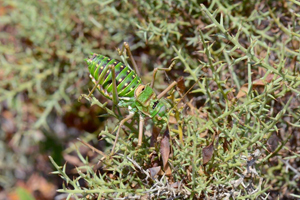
<point x="147" y="103"/>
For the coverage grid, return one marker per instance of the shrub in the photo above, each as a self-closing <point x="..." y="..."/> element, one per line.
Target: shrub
<point x="239" y="119"/>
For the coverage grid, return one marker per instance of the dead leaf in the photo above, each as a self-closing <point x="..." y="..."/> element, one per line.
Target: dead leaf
<point x="176" y="184"/>
<point x="207" y="153"/>
<point x="41" y="184"/>
<point x="72" y="160"/>
<point x="154" y="171"/>
<point x="154" y="159"/>
<point x="257" y="83"/>
<point x="203" y="134"/>
<point x="180" y="85"/>
<point x="201" y="171"/>
<point x="155" y="133"/>
<point x="273" y="142"/>
<point x="37" y="186"/>
<point x="165" y="148"/>
<point x="225" y="145"/>
<point x="168" y="170"/>
<point x="172" y="120"/>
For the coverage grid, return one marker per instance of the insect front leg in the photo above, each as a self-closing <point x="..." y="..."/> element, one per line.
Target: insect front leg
<point x="166" y="90"/>
<point x="141" y="128"/>
<point x="162" y="69"/>
<point x="119" y="129"/>
<point x="126" y="46"/>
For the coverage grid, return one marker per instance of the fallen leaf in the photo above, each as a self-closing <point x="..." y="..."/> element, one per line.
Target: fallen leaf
<point x="225" y="145"/>
<point x="180" y="85"/>
<point x="244" y="89"/>
<point x="41" y="184"/>
<point x="207" y="152"/>
<point x="172" y="120"/>
<point x="37" y="187"/>
<point x="72" y="160"/>
<point x="203" y="134"/>
<point x="155" y="133"/>
<point x="201" y="171"/>
<point x="273" y="142"/>
<point x="167" y="169"/>
<point x="154" y="171"/>
<point x="176" y="184"/>
<point x="165" y="148"/>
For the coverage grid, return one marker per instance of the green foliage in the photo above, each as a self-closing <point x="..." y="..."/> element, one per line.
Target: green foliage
<point x="224" y="49"/>
<point x="24" y="195"/>
<point x="240" y="59"/>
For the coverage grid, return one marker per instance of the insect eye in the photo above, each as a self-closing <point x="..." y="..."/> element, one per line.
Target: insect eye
<point x="155" y="104"/>
<point x="139" y="90"/>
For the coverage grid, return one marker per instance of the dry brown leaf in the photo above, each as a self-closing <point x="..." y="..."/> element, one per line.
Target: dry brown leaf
<point x="273" y="143"/>
<point x="180" y="85"/>
<point x="244" y="89"/>
<point x="36" y="184"/>
<point x="39" y="183"/>
<point x="155" y="133"/>
<point x="72" y="160"/>
<point x="154" y="171"/>
<point x="175" y="185"/>
<point x="165" y="148"/>
<point x="225" y="145"/>
<point x="168" y="170"/>
<point x="172" y="120"/>
<point x="201" y="171"/>
<point x="207" y="153"/>
<point x="203" y="134"/>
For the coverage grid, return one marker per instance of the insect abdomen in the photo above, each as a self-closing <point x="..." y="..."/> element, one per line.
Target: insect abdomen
<point x="126" y="79"/>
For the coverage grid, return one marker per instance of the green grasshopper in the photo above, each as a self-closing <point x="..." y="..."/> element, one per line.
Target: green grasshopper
<point x="121" y="84"/>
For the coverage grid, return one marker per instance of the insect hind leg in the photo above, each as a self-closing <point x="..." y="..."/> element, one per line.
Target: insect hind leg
<point x="98" y="81"/>
<point x="161" y="69"/>
<point x="126" y="46"/>
<point x="114" y="85"/>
